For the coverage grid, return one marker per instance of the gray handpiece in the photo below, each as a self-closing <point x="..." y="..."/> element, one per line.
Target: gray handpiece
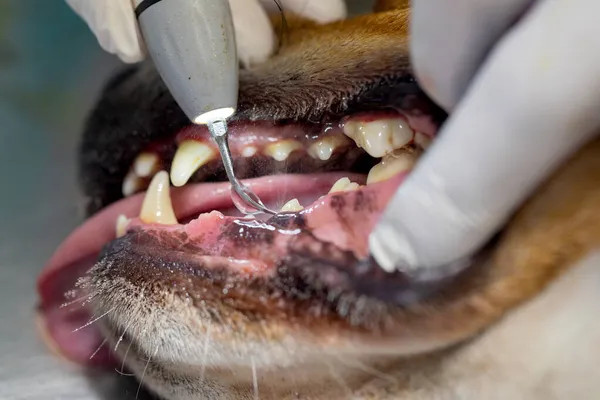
<point x="192" y="44"/>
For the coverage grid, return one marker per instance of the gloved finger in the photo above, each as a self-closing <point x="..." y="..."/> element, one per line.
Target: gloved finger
<point x="113" y="22"/>
<point x="254" y="34"/>
<point x="451" y="38"/>
<point x="533" y="103"/>
<point x="321" y="11"/>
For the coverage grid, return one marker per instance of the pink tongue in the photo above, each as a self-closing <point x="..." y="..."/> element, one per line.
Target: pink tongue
<point x="327" y="218"/>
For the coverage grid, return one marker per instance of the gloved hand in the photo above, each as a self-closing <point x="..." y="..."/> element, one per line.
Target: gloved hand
<point x="522" y="81"/>
<point x="115" y="26"/>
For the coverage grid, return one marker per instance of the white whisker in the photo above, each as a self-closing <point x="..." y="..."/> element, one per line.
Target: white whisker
<point x="98" y="349"/>
<point x="77" y="300"/>
<point x="254" y="379"/>
<point x="144" y="373"/>
<point x="365" y="368"/>
<point x="205" y="351"/>
<point x="125" y="358"/>
<point x="94" y="320"/>
<point x="123" y="334"/>
<point x="339" y="380"/>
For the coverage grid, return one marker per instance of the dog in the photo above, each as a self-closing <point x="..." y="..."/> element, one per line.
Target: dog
<point x="211" y="304"/>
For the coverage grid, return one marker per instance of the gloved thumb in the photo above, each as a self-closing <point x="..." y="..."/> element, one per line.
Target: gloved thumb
<point x="113" y="22"/>
<point x="515" y="125"/>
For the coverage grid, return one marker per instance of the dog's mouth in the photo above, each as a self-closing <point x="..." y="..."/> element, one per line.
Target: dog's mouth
<point x="329" y="182"/>
<point x="327" y="157"/>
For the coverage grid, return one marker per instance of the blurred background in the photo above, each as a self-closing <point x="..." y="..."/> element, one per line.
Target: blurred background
<point x="51" y="70"/>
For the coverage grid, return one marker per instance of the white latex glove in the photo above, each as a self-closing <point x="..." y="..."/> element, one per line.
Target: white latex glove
<point x="515" y="117"/>
<point x="115" y="26"/>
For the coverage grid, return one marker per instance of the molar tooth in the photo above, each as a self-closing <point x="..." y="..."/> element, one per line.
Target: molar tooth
<point x="249" y="151"/>
<point x="392" y="164"/>
<point x="146" y="164"/>
<point x="422" y="140"/>
<point x="121" y="226"/>
<point x="190" y="156"/>
<point x="132" y="184"/>
<point x="281" y="150"/>
<point x="292" y="206"/>
<point x="323" y="148"/>
<point x="157" y="207"/>
<point x="381" y="136"/>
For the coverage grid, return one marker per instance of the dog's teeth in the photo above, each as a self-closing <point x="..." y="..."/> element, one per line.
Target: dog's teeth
<point x="324" y="148"/>
<point x="132" y="184"/>
<point x="392" y="164"/>
<point x="280" y="151"/>
<point x="352" y="186"/>
<point x="146" y="164"/>
<point x="344" y="185"/>
<point x="249" y="151"/>
<point x="381" y="136"/>
<point x="422" y="140"/>
<point x="340" y="185"/>
<point x="157" y="207"/>
<point x="190" y="156"/>
<point x="292" y="206"/>
<point x="121" y="227"/>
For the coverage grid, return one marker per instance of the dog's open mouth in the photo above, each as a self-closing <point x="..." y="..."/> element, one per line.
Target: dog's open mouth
<point x="326" y="148"/>
<point x="330" y="181"/>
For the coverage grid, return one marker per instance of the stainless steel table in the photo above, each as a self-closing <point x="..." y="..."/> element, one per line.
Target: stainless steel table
<point x="50" y="72"/>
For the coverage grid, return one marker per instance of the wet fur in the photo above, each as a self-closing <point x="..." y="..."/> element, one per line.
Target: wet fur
<point x="521" y="326"/>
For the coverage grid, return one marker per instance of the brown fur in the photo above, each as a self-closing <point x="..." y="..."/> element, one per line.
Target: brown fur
<point x="557" y="227"/>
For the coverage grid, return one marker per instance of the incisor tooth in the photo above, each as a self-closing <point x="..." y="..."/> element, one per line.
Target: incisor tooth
<point x="323" y="149"/>
<point x="292" y="206"/>
<point x="381" y="136"/>
<point x="249" y="151"/>
<point x="157" y="207"/>
<point x="344" y="185"/>
<point x="132" y="184"/>
<point x="280" y="151"/>
<point x="340" y="185"/>
<point x="352" y="186"/>
<point x="190" y="156"/>
<point x="146" y="164"/>
<point x="121" y="227"/>
<point x="392" y="164"/>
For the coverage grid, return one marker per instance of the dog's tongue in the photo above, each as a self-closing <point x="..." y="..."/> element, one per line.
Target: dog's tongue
<point x="344" y="219"/>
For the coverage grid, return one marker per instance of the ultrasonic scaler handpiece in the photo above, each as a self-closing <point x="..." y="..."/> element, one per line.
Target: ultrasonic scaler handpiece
<point x="192" y="44"/>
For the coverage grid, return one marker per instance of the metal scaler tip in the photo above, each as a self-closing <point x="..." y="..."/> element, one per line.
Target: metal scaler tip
<point x="253" y="205"/>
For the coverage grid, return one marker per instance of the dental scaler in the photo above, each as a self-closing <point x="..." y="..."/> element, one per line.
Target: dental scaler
<point x="192" y="44"/>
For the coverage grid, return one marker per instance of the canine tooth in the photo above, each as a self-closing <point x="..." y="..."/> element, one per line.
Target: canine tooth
<point x="280" y="151"/>
<point x="381" y="136"/>
<point x="190" y="156"/>
<point x="146" y="164"/>
<point x="340" y="185"/>
<point x="132" y="184"/>
<point x="121" y="227"/>
<point x="157" y="207"/>
<point x="323" y="149"/>
<point x="392" y="164"/>
<point x="422" y="140"/>
<point x="249" y="151"/>
<point x="292" y="206"/>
